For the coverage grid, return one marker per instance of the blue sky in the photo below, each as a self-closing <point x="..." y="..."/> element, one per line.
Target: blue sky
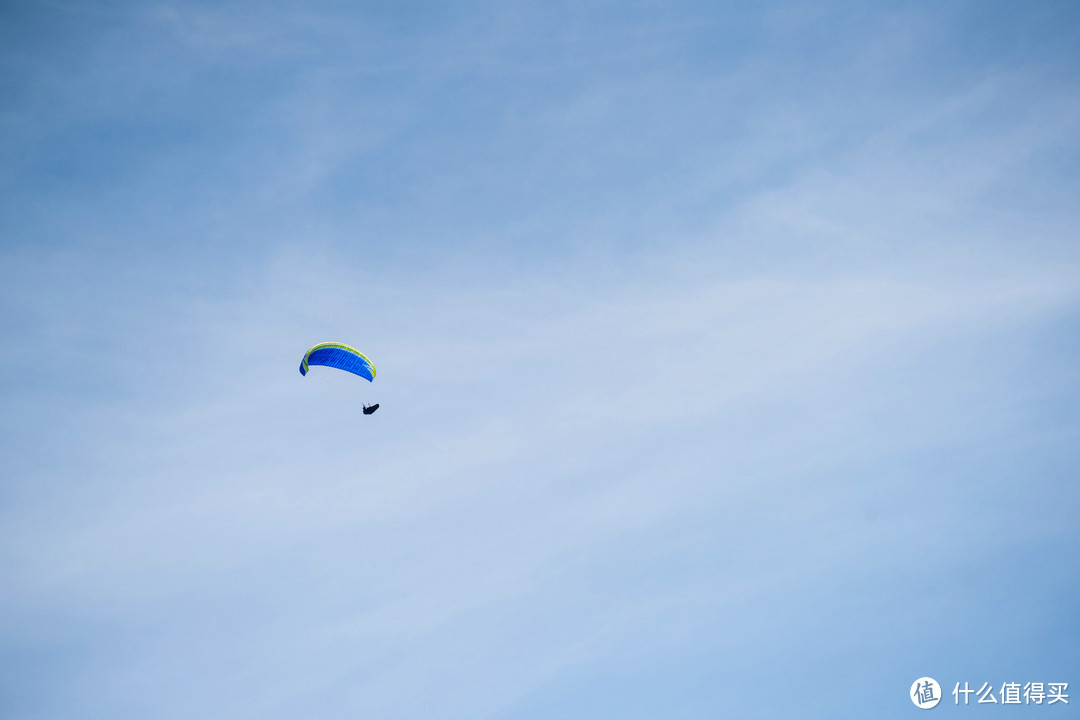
<point x="727" y="355"/>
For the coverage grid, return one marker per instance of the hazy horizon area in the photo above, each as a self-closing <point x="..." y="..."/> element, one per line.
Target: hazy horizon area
<point x="728" y="358"/>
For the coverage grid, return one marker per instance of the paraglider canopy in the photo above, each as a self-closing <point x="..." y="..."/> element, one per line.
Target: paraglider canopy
<point x="368" y="409"/>
<point x="340" y="356"/>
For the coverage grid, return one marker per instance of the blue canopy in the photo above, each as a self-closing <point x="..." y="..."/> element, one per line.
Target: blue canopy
<point x="337" y="355"/>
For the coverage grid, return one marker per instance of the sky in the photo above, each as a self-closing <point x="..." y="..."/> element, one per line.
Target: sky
<point x="728" y="358"/>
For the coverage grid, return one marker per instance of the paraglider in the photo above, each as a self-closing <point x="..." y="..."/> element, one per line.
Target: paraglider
<point x="342" y="357"/>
